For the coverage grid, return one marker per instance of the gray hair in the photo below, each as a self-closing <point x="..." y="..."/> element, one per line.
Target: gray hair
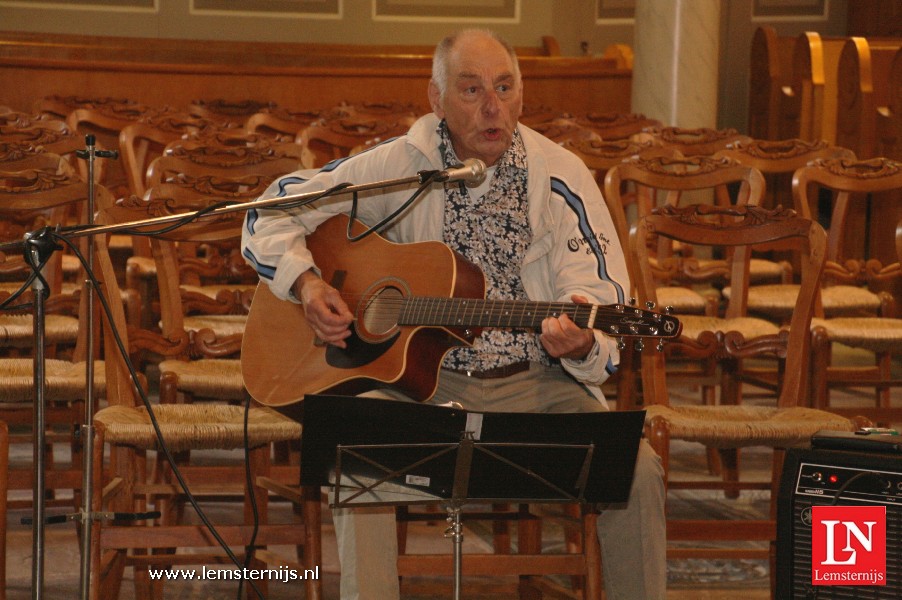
<point x="443" y="49"/>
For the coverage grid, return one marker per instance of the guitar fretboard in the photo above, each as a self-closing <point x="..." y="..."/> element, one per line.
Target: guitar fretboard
<point x="613" y="319"/>
<point x="466" y="312"/>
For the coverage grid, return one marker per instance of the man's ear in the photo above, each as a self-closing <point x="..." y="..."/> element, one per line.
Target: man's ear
<point x="435" y="100"/>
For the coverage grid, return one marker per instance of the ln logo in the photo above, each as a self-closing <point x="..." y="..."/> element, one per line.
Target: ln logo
<point x="848" y="545"/>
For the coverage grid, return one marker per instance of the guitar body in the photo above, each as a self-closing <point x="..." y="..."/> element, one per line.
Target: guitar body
<point x="281" y="359"/>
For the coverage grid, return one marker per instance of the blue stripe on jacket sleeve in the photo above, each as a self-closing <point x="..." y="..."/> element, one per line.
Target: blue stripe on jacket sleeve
<point x="577" y="205"/>
<point x="264" y="271"/>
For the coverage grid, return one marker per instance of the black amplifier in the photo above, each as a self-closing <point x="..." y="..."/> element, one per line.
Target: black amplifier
<point x="814" y="477"/>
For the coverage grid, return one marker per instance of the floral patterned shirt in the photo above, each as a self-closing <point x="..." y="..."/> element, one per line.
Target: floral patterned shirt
<point x="493" y="232"/>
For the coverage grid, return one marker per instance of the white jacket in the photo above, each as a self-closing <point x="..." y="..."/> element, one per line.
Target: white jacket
<point x="575" y="248"/>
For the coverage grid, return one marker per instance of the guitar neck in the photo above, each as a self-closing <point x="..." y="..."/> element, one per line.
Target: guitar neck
<point x="468" y="312"/>
<point x="616" y="320"/>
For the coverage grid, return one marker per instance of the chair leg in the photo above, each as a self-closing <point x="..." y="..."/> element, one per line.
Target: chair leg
<point x="593" y="584"/>
<point x="4" y="486"/>
<point x="820" y="364"/>
<point x="529" y="538"/>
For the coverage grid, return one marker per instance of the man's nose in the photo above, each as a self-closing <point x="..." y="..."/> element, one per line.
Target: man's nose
<point x="492" y="103"/>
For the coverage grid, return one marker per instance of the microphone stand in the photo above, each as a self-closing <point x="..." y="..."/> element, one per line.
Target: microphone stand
<point x="87" y="439"/>
<point x="38" y="247"/>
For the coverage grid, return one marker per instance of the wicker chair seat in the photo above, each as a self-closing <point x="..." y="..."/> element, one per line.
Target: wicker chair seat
<point x="223" y="325"/>
<point x="64" y="380"/>
<point x="211" y="291"/>
<point x="195" y="426"/>
<point x="871" y="333"/>
<point x="738" y="426"/>
<point x="17" y="330"/>
<point x="683" y="300"/>
<point x="749" y="327"/>
<point x="779" y="299"/>
<point x="209" y="378"/>
<point x="141" y="266"/>
<point x="760" y="270"/>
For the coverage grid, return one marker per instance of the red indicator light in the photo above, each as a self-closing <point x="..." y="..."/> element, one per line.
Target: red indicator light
<point x="833" y="478"/>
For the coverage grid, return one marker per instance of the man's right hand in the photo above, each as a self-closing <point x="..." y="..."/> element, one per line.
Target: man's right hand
<point x="325" y="310"/>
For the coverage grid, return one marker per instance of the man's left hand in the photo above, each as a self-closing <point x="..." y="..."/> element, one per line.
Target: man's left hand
<point x="562" y="338"/>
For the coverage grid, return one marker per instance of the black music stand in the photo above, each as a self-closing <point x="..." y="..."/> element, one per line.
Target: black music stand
<point x="375" y="452"/>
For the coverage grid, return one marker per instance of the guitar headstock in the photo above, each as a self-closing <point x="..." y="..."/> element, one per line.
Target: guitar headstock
<point x="628" y="321"/>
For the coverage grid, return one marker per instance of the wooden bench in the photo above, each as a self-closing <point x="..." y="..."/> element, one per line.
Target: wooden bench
<point x="300" y="76"/>
<point x="770" y="71"/>
<point x="864" y="76"/>
<point x="889" y="116"/>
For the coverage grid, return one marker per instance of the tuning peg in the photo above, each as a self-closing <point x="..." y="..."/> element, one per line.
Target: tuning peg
<point x="632" y="301"/>
<point x="668" y="310"/>
<point x="621" y="345"/>
<point x="660" y="346"/>
<point x="650" y="305"/>
<point x="640" y="345"/>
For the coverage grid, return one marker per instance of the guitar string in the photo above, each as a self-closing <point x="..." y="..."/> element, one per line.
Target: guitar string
<point x="387" y="312"/>
<point x="507" y="304"/>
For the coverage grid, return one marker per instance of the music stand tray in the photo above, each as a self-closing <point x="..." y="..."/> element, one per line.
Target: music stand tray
<point x="377" y="452"/>
<point x="370" y="439"/>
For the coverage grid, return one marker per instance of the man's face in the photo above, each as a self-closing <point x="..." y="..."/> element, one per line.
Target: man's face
<point x="482" y="100"/>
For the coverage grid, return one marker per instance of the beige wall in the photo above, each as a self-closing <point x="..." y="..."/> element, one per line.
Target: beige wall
<point x="565" y="19"/>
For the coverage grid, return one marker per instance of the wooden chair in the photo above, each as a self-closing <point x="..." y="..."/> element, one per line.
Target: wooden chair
<point x="281" y="123"/>
<point x="230" y="113"/>
<point x="32" y="193"/>
<point x="845" y="292"/>
<point x="30" y="200"/>
<point x="687" y="283"/>
<point x="140" y="143"/>
<point x="696" y="141"/>
<point x="126" y="429"/>
<point x="228" y="166"/>
<point x="563" y="129"/>
<point x="613" y="126"/>
<point x="56" y="106"/>
<point x="668" y="180"/>
<point x="42" y="135"/>
<point x="778" y="161"/>
<point x="106" y="122"/>
<point x="324" y="141"/>
<point x="538" y="113"/>
<point x="849" y="182"/>
<point x="4" y="487"/>
<point x="223" y="156"/>
<point x="728" y="428"/>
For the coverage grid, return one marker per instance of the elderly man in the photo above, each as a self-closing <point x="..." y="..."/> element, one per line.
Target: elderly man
<point x="515" y="225"/>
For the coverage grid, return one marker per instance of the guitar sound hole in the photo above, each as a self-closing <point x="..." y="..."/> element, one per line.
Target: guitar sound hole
<point x="378" y="314"/>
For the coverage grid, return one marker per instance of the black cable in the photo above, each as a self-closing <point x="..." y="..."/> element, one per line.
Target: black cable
<point x="856" y="477"/>
<point x="249" y="549"/>
<point x="36" y="268"/>
<point x="327" y="192"/>
<point x="153" y="420"/>
<point x="430" y="178"/>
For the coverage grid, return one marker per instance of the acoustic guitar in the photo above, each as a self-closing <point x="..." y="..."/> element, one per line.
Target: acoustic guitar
<point x="403" y="325"/>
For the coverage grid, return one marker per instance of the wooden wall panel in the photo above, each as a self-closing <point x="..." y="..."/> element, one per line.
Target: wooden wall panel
<point x="176" y="72"/>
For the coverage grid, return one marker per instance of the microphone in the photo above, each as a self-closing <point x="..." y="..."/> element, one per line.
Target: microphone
<point x="471" y="171"/>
